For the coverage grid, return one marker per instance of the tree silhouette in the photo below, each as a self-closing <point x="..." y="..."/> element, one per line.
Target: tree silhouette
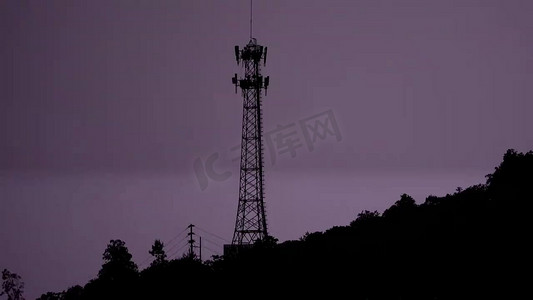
<point x="118" y="264"/>
<point x="158" y="253"/>
<point x="512" y="179"/>
<point x="72" y="293"/>
<point x="403" y="206"/>
<point x="434" y="250"/>
<point x="364" y="217"/>
<point x="12" y="286"/>
<point x="51" y="296"/>
<point x="267" y="242"/>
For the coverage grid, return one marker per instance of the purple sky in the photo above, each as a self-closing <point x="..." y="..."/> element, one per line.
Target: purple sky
<point x="105" y="106"/>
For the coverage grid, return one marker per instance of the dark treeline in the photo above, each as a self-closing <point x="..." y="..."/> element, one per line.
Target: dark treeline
<point x="469" y="244"/>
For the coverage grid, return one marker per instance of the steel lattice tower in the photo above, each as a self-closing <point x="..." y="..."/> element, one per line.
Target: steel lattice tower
<point x="251" y="225"/>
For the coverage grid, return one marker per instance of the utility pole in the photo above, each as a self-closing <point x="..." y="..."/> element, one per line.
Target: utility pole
<point x="191" y="241"/>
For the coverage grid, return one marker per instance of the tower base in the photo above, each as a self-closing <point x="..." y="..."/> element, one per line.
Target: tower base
<point x="232" y="250"/>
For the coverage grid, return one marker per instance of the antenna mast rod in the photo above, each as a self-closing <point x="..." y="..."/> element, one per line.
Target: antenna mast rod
<point x="251" y="14"/>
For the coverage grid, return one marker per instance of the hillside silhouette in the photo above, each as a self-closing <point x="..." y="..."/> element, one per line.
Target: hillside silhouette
<point x="469" y="244"/>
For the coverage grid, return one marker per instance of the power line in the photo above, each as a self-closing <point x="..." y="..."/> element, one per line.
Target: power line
<point x="168" y="249"/>
<point x="166" y="245"/>
<point x="173" y="248"/>
<point x="144" y="261"/>
<point x="177" y="243"/>
<point x="175" y="254"/>
<point x="217" y="236"/>
<point x="176" y="236"/>
<point x="177" y="251"/>
<point x="214" y="243"/>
